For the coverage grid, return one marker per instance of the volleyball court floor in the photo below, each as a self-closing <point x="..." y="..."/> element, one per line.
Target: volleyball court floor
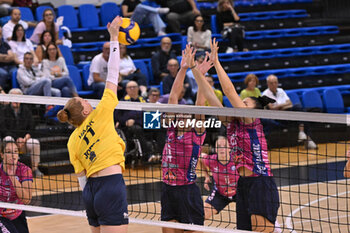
<point x="307" y="204"/>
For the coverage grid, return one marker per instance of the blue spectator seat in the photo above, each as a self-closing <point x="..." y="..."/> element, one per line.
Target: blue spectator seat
<point x="143" y="68"/>
<point x="293" y="96"/>
<point x="88" y="16"/>
<point x="4" y="20"/>
<point x="86" y="73"/>
<point x="70" y="16"/>
<point x="40" y="10"/>
<point x="67" y="54"/>
<point x="74" y="74"/>
<point x="108" y="12"/>
<point x="333" y="101"/>
<point x="227" y="102"/>
<point x="312" y="101"/>
<point x="26" y="14"/>
<point x="14" y="81"/>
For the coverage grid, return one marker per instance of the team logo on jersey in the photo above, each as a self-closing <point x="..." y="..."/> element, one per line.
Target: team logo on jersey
<point x="151" y="120"/>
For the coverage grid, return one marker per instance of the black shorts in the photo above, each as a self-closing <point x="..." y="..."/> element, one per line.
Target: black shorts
<point x="6" y="226"/>
<point x="258" y="196"/>
<point x="21" y="223"/>
<point x="105" y="201"/>
<point x="182" y="203"/>
<point x="218" y="201"/>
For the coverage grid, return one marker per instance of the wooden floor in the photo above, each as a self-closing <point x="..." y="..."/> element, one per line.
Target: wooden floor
<point x="317" y="207"/>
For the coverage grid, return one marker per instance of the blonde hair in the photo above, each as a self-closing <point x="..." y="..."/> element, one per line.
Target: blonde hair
<point x="221" y="2"/>
<point x="249" y="78"/>
<point x="72" y="113"/>
<point x="16" y="91"/>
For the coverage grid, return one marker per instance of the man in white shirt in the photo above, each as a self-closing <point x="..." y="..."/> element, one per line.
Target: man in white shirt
<point x="98" y="71"/>
<point x="284" y="103"/>
<point x="15" y="19"/>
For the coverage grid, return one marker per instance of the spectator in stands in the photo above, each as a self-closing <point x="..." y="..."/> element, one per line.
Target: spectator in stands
<point x="153" y="95"/>
<point x="160" y="60"/>
<point x="7" y="65"/>
<point x="17" y="125"/>
<point x="128" y="71"/>
<point x="217" y="92"/>
<point x="143" y="14"/>
<point x="16" y="182"/>
<point x="48" y="23"/>
<point x="32" y="80"/>
<point x="165" y="98"/>
<point x="5" y="7"/>
<point x="98" y="71"/>
<point x="251" y="81"/>
<point x="285" y="104"/>
<point x="173" y="68"/>
<point x="131" y="121"/>
<point x="23" y="3"/>
<point x="45" y="40"/>
<point x="181" y="12"/>
<point x="227" y="21"/>
<point x="20" y="45"/>
<point x="56" y="69"/>
<point x="198" y="36"/>
<point x="15" y="19"/>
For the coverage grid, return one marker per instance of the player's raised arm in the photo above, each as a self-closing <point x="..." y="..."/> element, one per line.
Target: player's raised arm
<point x="114" y="55"/>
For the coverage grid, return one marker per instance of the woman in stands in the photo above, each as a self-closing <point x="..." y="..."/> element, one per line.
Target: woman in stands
<point x="227" y="21"/>
<point x="225" y="175"/>
<point x="20" y="45"/>
<point x="55" y="68"/>
<point x="129" y="72"/>
<point x="257" y="199"/>
<point x="16" y="187"/>
<point x="47" y="24"/>
<point x="198" y="36"/>
<point x="97" y="152"/>
<point x="45" y="40"/>
<point x="251" y="81"/>
<point x="181" y="198"/>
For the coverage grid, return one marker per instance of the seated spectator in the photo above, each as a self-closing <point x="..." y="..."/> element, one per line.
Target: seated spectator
<point x="217" y="92"/>
<point x="128" y="71"/>
<point x="153" y="95"/>
<point x="45" y="40"/>
<point x="173" y="68"/>
<point x="251" y="81"/>
<point x="32" y="80"/>
<point x="181" y="12"/>
<point x="227" y="21"/>
<point x="160" y="60"/>
<point x="16" y="187"/>
<point x="131" y="122"/>
<point x="17" y="125"/>
<point x="165" y="98"/>
<point x="47" y="24"/>
<point x="143" y="14"/>
<point x="20" y="45"/>
<point x="198" y="36"/>
<point x="285" y="104"/>
<point x="7" y="64"/>
<point x="98" y="71"/>
<point x="56" y="69"/>
<point x="15" y="19"/>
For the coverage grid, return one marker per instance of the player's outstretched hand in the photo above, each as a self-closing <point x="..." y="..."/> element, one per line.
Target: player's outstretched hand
<point x="113" y="28"/>
<point x="184" y="64"/>
<point x="213" y="56"/>
<point x="205" y="65"/>
<point x="189" y="56"/>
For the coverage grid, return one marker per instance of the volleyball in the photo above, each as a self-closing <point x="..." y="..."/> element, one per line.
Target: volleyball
<point x="129" y="32"/>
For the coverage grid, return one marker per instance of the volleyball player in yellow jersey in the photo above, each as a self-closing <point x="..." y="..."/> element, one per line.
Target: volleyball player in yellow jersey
<point x="97" y="152"/>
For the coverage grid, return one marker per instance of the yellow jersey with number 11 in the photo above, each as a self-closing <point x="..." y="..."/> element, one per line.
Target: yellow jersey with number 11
<point x="95" y="144"/>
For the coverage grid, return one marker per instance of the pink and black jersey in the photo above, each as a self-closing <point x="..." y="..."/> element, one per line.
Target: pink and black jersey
<point x="225" y="175"/>
<point x="180" y="157"/>
<point x="249" y="147"/>
<point x="7" y="190"/>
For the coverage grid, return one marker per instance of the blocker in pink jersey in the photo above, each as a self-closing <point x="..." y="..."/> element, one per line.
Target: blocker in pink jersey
<point x="249" y="147"/>
<point x="180" y="157"/>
